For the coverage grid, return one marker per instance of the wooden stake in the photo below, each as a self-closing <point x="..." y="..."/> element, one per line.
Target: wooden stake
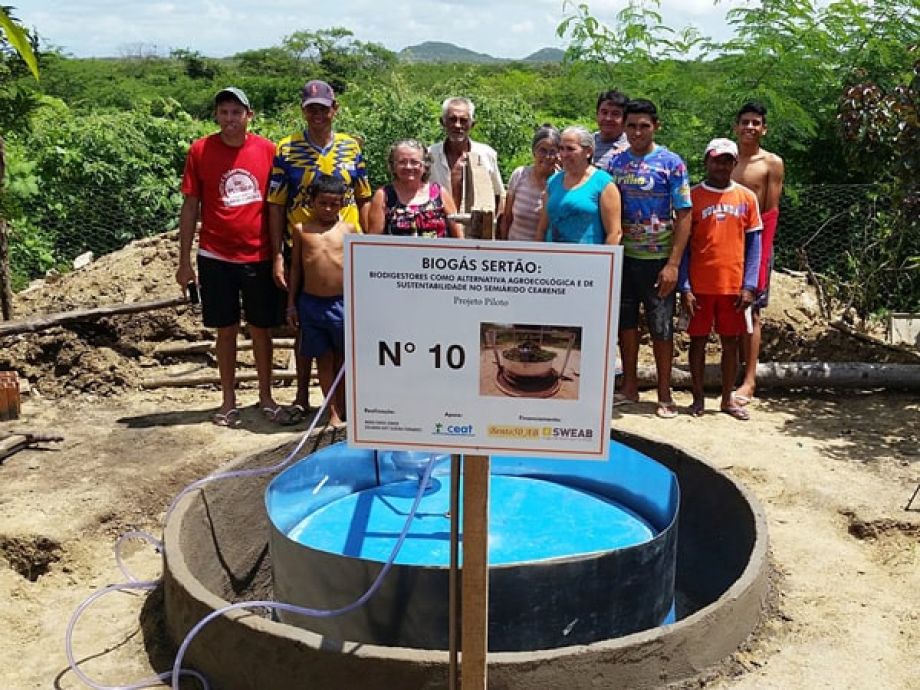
<point x="6" y="292"/>
<point x="475" y="588"/>
<point x="453" y="612"/>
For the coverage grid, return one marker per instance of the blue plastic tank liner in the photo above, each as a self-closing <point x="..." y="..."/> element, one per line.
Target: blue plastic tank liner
<point x="630" y="479"/>
<point x="530" y="520"/>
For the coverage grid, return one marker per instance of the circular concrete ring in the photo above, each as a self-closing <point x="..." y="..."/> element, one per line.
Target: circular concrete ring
<point x="216" y="551"/>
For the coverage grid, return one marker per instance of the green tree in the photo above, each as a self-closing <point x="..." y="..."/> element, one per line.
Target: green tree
<point x="334" y="55"/>
<point x="196" y="65"/>
<point x="93" y="182"/>
<point x="880" y="126"/>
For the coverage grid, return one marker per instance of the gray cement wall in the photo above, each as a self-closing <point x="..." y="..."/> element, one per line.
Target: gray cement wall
<point x="216" y="552"/>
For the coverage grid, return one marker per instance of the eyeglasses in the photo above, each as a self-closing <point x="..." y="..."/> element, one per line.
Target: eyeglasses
<point x="546" y="153"/>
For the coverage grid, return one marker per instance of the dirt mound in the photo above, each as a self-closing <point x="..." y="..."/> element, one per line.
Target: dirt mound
<point x="107" y="355"/>
<point x="794" y="330"/>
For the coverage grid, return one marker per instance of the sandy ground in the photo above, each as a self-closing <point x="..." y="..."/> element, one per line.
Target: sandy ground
<point x="833" y="471"/>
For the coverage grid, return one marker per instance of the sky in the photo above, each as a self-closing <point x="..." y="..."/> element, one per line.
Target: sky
<point x="217" y="28"/>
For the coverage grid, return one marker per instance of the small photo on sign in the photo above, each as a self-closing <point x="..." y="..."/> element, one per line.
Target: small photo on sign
<point x="529" y="360"/>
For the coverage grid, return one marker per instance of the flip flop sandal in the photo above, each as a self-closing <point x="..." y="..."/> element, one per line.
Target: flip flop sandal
<point x="280" y="415"/>
<point x="667" y="410"/>
<point x="737" y="412"/>
<point x="619" y="400"/>
<point x="230" y="418"/>
<point x="741" y="399"/>
<point x="696" y="409"/>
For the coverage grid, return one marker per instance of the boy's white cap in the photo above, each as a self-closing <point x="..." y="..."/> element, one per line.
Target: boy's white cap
<point x="719" y="147"/>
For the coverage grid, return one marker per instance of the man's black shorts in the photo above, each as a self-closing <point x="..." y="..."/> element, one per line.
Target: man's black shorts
<point x="638" y="287"/>
<point x="225" y="284"/>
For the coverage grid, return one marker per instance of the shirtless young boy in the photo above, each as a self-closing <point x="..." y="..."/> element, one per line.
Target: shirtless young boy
<point x="762" y="172"/>
<point x="317" y="269"/>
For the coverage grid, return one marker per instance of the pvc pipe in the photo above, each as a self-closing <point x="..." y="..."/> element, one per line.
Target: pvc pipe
<point x="805" y="374"/>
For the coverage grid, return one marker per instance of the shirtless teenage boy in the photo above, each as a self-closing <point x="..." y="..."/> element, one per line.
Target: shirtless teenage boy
<point x="762" y="172"/>
<point x="317" y="257"/>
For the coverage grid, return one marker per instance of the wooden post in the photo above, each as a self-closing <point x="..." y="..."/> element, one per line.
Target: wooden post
<point x="6" y="292"/>
<point x="482" y="225"/>
<point x="475" y="588"/>
<point x="453" y="609"/>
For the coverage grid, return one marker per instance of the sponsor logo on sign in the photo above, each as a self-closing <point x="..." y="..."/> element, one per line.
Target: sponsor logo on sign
<point x="453" y="429"/>
<point x="511" y="431"/>
<point x="561" y="432"/>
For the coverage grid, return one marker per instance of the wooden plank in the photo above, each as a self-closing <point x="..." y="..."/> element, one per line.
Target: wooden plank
<point x="40" y="323"/>
<point x="16" y="442"/>
<point x="203" y="346"/>
<point x="210" y="379"/>
<point x="475" y="587"/>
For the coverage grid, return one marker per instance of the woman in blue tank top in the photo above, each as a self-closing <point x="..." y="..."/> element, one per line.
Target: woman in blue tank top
<point x="582" y="203"/>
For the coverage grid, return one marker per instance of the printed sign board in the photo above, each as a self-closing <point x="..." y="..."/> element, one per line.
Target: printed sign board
<point x="466" y="346"/>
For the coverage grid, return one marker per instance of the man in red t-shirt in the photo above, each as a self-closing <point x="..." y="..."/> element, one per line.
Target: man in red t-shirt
<point x="718" y="276"/>
<point x="225" y="185"/>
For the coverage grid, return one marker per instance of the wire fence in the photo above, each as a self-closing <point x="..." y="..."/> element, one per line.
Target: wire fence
<point x="41" y="238"/>
<point x="837" y="234"/>
<point x="846" y="239"/>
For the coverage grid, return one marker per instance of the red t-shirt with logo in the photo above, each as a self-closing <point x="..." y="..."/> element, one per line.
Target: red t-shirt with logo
<point x="231" y="182"/>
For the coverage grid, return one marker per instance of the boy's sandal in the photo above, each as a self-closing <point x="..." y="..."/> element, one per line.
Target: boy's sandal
<point x="667" y="410"/>
<point x="230" y="418"/>
<point x="737" y="412"/>
<point x="741" y="399"/>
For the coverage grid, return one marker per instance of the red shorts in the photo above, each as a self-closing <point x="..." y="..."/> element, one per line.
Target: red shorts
<point x="719" y="309"/>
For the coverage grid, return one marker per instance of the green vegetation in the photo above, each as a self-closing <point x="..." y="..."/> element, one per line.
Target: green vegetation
<point x="839" y="79"/>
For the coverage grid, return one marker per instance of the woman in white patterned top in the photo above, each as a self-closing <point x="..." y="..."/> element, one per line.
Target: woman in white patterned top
<point x="525" y="190"/>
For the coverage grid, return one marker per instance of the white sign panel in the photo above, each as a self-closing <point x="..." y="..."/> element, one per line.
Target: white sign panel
<point x="467" y="346"/>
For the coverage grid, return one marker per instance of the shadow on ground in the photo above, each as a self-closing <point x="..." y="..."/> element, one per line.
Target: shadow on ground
<point x="251" y="419"/>
<point x="858" y="426"/>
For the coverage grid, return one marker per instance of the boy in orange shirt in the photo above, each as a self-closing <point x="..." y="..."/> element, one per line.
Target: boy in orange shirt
<point x="718" y="276"/>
